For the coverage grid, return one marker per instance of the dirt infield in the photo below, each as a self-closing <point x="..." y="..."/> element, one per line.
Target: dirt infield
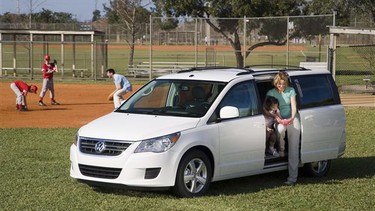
<point x="81" y="103"/>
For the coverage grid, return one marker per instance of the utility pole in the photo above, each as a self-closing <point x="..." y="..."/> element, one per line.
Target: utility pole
<point x="31" y="12"/>
<point x="18" y="7"/>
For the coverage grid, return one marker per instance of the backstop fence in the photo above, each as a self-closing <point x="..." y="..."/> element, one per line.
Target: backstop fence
<point x="287" y="40"/>
<point x="355" y="56"/>
<point x="76" y="53"/>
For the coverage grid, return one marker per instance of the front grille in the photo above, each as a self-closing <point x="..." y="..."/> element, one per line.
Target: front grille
<point x="99" y="172"/>
<point x="111" y="147"/>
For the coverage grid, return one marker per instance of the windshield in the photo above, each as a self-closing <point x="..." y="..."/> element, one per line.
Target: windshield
<point x="173" y="98"/>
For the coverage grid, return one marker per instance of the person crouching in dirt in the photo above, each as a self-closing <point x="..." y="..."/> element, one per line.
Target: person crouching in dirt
<point x="21" y="89"/>
<point x="122" y="84"/>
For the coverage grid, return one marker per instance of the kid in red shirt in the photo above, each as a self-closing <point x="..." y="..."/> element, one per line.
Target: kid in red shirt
<point x="21" y="89"/>
<point x="48" y="69"/>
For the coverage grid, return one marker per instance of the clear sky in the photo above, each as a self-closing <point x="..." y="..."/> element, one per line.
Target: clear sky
<point x="81" y="9"/>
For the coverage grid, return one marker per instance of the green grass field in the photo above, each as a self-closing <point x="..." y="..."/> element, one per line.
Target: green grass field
<point x="35" y="176"/>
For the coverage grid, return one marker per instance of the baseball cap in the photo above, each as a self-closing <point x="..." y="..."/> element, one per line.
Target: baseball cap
<point x="46" y="57"/>
<point x="33" y="89"/>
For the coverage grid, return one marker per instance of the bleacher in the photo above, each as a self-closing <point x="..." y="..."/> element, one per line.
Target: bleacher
<point x="159" y="68"/>
<point x="314" y="65"/>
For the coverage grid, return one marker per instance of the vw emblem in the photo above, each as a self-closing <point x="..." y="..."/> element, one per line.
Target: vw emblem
<point x="99" y="147"/>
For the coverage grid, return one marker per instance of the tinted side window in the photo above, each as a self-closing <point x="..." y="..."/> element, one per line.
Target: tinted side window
<point x="314" y="90"/>
<point x="242" y="96"/>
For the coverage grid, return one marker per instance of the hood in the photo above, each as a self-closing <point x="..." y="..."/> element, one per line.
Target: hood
<point x="135" y="127"/>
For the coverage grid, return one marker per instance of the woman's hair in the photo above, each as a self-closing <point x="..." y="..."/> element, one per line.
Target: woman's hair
<point x="269" y="101"/>
<point x="281" y="76"/>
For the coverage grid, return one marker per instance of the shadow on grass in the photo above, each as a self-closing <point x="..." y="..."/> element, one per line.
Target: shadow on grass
<point x="341" y="169"/>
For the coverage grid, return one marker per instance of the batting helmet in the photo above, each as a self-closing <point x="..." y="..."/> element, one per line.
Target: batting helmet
<point x="33" y="89"/>
<point x="46" y="57"/>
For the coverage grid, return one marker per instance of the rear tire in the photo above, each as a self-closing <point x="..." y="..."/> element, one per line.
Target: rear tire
<point x="193" y="176"/>
<point x="317" y="169"/>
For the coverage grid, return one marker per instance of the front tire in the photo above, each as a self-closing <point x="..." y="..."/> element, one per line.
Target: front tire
<point x="194" y="175"/>
<point x="317" y="169"/>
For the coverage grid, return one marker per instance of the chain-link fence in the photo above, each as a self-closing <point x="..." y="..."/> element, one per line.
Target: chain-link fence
<point x="235" y="42"/>
<point x="287" y="40"/>
<point x="77" y="54"/>
<point x="355" y="59"/>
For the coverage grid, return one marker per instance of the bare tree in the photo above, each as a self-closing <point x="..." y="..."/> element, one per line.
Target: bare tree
<point x="33" y="4"/>
<point x="129" y="14"/>
<point x="225" y="17"/>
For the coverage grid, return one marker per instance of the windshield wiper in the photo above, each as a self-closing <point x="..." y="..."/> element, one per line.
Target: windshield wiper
<point x="166" y="111"/>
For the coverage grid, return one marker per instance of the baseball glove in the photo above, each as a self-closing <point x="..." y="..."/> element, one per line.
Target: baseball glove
<point x="110" y="97"/>
<point x="55" y="63"/>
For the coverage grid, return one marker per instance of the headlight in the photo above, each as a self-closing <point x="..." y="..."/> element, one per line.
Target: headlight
<point x="159" y="144"/>
<point x="75" y="141"/>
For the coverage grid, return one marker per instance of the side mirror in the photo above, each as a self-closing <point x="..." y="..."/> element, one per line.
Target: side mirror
<point x="228" y="112"/>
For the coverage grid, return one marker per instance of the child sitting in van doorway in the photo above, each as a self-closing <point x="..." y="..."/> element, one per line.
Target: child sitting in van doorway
<point x="271" y="113"/>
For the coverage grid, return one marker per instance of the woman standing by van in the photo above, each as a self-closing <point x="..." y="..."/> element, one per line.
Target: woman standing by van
<point x="288" y="110"/>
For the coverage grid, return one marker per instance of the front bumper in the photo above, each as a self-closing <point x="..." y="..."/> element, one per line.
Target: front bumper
<point x="128" y="168"/>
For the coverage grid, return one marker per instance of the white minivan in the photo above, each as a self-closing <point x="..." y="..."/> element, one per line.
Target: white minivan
<point x="185" y="130"/>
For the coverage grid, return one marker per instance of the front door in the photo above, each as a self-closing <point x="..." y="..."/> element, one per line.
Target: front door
<point x="242" y="139"/>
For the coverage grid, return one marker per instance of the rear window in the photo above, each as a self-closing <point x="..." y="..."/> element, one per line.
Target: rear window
<point x="315" y="90"/>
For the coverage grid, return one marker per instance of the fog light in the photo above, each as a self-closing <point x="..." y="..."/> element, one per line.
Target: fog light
<point x="152" y="173"/>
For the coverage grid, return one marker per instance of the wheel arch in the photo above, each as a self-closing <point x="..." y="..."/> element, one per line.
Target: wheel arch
<point x="206" y="151"/>
<point x="317" y="169"/>
<point x="182" y="188"/>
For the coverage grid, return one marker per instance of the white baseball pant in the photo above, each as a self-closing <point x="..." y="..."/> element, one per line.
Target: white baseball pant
<point x="47" y="85"/>
<point x="20" y="99"/>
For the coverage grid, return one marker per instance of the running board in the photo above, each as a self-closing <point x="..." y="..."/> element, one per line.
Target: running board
<point x="275" y="165"/>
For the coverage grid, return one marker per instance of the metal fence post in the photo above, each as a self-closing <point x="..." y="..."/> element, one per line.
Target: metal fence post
<point x="31" y="59"/>
<point x="244" y="41"/>
<point x="1" y="55"/>
<point x="196" y="42"/>
<point x="287" y="41"/>
<point x="62" y="56"/>
<point x="150" y="58"/>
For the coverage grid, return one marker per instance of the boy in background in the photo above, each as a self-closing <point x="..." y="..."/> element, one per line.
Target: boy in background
<point x="48" y="69"/>
<point x="21" y="89"/>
